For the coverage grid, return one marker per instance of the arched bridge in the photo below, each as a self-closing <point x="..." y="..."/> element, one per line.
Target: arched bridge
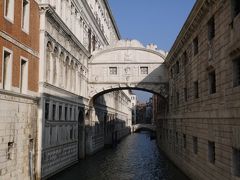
<point x="128" y="65"/>
<point x="139" y="127"/>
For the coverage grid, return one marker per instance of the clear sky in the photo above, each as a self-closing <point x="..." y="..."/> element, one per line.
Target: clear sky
<point x="151" y="21"/>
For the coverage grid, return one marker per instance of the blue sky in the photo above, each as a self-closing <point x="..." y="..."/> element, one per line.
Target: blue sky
<point x="151" y="21"/>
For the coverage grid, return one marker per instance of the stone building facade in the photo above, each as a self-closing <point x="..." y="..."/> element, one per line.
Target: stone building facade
<point x="199" y="130"/>
<point x="19" y="50"/>
<point x="70" y="32"/>
<point x="112" y="119"/>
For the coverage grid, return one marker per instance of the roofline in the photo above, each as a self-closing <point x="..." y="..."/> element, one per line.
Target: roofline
<point x="112" y="18"/>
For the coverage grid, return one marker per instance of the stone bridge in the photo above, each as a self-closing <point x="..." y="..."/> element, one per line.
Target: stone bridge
<point x="128" y="65"/>
<point x="138" y="127"/>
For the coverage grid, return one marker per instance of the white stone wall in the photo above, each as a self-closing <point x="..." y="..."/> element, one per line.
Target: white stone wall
<point x="112" y="114"/>
<point x="18" y="119"/>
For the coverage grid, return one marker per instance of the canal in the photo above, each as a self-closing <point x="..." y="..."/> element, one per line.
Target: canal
<point x="135" y="158"/>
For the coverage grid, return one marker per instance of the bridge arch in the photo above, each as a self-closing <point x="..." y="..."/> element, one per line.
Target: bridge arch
<point x="128" y="65"/>
<point x="144" y="127"/>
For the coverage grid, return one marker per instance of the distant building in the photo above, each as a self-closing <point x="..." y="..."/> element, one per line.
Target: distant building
<point x="144" y="112"/>
<point x="133" y="105"/>
<point x="149" y="112"/>
<point x="140" y="113"/>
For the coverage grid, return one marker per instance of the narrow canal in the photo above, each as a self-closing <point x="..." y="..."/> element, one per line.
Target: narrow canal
<point x="135" y="158"/>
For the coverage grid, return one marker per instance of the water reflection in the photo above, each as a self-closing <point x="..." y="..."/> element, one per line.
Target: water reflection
<point x="135" y="158"/>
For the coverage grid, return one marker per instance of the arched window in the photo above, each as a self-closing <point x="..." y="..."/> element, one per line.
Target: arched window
<point x="61" y="68"/>
<point x="48" y="60"/>
<point x="54" y="65"/>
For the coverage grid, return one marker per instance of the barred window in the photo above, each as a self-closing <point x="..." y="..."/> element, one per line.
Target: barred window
<point x="195" y="46"/>
<point x="211" y="152"/>
<point x="113" y="70"/>
<point x="212" y="82"/>
<point x="236" y="162"/>
<point x="196" y="92"/>
<point x="144" y="70"/>
<point x="211" y="28"/>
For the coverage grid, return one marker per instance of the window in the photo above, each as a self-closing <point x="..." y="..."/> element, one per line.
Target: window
<point x="53" y="112"/>
<point x="94" y="42"/>
<point x="24" y="76"/>
<point x="71" y="133"/>
<point x="211" y="29"/>
<point x="60" y="112"/>
<point x="10" y="151"/>
<point x="195" y="46"/>
<point x="212" y="82"/>
<point x="211" y="152"/>
<point x="171" y="72"/>
<point x="184" y="141"/>
<point x="235" y="7"/>
<point x="177" y="67"/>
<point x="113" y="70"/>
<point x="185" y="58"/>
<point x="80" y="115"/>
<point x="196" y="92"/>
<point x="7" y="69"/>
<point x="236" y="72"/>
<point x="144" y="70"/>
<point x="66" y="111"/>
<point x="25" y="15"/>
<point x="236" y="162"/>
<point x="9" y="10"/>
<point x="185" y="94"/>
<point x="46" y="110"/>
<point x="89" y="40"/>
<point x="195" y="145"/>
<point x="70" y="114"/>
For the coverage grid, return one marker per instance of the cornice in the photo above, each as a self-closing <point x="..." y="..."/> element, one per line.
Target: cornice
<point x="127" y="48"/>
<point x="52" y="15"/>
<point x="19" y="44"/>
<point x="55" y="41"/>
<point x="189" y="27"/>
<point x="90" y="13"/>
<point x="112" y="18"/>
<point x="18" y="95"/>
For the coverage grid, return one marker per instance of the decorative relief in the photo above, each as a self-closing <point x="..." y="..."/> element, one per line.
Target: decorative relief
<point x="127" y="70"/>
<point x="59" y="157"/>
<point x="128" y="56"/>
<point x="92" y="91"/>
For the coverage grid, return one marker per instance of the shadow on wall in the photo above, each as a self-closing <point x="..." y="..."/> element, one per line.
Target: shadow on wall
<point x="63" y="132"/>
<point x="107" y="123"/>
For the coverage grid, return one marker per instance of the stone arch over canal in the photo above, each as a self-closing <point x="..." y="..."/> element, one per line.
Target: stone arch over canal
<point x="125" y="65"/>
<point x="128" y="65"/>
